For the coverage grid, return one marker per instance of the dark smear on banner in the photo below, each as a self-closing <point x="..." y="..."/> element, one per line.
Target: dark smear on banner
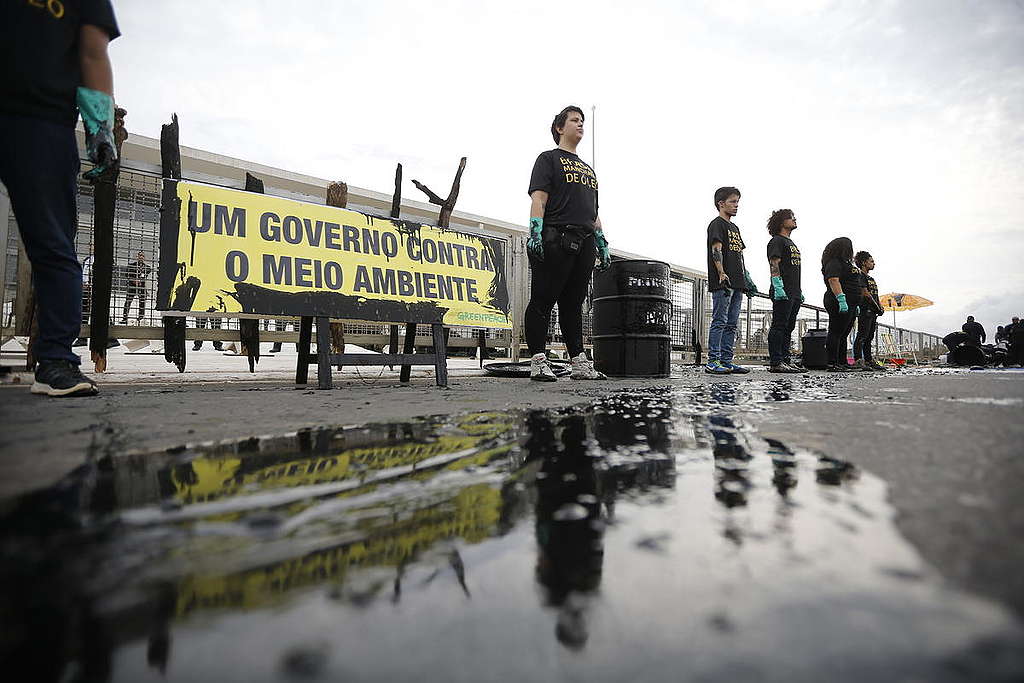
<point x="261" y="300"/>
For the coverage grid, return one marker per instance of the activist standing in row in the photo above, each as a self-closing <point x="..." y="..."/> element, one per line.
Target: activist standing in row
<point x="53" y="64"/>
<point x="784" y="263"/>
<point x="842" y="296"/>
<point x="565" y="238"/>
<point x="728" y="281"/>
<point x="867" y="320"/>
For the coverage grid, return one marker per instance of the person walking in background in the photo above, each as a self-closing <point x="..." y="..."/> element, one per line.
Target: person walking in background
<point x="842" y="296"/>
<point x="565" y="239"/>
<point x="867" y="319"/>
<point x="728" y="281"/>
<point x="974" y="331"/>
<point x="136" y="273"/>
<point x="785" y="292"/>
<point x="53" y="65"/>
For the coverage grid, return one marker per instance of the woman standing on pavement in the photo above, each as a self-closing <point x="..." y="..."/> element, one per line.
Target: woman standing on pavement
<point x="565" y="239"/>
<point x="842" y="296"/>
<point x="784" y="264"/>
<point x="867" y="320"/>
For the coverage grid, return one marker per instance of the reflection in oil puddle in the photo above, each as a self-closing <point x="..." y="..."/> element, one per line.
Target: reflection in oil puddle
<point x="649" y="536"/>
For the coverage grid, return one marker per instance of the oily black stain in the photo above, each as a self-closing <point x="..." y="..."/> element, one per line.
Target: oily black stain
<point x="262" y="300"/>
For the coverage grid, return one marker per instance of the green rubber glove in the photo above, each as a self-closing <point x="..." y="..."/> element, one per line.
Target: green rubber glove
<point x="535" y="242"/>
<point x="802" y="298"/>
<point x="856" y="311"/>
<point x="751" y="287"/>
<point x="98" y="119"/>
<point x="778" y="289"/>
<point x="841" y="298"/>
<point x="604" y="257"/>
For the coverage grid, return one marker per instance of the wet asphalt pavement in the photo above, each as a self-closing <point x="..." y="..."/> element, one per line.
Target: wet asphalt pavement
<point x="817" y="528"/>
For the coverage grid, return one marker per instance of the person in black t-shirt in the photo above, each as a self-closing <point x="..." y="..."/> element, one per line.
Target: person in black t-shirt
<point x="974" y="331"/>
<point x="728" y="281"/>
<point x="53" y="55"/>
<point x="867" y="318"/>
<point x="565" y="239"/>
<point x="136" y="273"/>
<point x="785" y="292"/>
<point x="842" y="296"/>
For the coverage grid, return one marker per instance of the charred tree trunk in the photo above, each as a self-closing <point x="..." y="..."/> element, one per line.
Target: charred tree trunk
<point x="337" y="195"/>
<point x="105" y="202"/>
<point x="249" y="330"/>
<point x="170" y="162"/>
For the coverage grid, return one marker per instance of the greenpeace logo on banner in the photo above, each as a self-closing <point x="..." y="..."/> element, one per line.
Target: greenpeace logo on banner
<point x="277" y="256"/>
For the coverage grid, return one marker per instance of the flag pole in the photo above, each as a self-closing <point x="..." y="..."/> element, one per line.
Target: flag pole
<point x="593" y="136"/>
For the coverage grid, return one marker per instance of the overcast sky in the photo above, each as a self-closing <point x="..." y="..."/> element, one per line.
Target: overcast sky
<point x="897" y="123"/>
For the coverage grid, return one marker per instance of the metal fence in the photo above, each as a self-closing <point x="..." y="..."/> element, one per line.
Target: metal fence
<point x="136" y="232"/>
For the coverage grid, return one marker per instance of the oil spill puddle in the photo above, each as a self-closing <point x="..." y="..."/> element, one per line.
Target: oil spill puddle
<point x="646" y="536"/>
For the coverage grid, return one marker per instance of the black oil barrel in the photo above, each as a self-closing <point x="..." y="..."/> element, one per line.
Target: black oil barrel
<point x="812" y="346"/>
<point x="632" y="319"/>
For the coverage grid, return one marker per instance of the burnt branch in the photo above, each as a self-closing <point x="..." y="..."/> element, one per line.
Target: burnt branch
<point x="447" y="205"/>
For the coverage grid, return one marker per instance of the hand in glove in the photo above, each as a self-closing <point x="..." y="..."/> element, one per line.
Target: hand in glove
<point x="604" y="257"/>
<point x="802" y="298"/>
<point x="843" y="307"/>
<point x="98" y="119"/>
<point x="778" y="290"/>
<point x="751" y="287"/>
<point x="535" y="242"/>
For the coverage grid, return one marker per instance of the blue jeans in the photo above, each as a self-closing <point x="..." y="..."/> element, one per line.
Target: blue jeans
<point x="39" y="166"/>
<point x="725" y="316"/>
<point x="784" y="313"/>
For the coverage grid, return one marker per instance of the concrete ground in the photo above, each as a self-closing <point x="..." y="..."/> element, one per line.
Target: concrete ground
<point x="948" y="442"/>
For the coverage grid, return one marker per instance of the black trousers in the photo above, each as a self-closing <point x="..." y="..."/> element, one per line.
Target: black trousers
<point x="561" y="278"/>
<point x="132" y="293"/>
<point x="867" y="323"/>
<point x="839" y="326"/>
<point x="780" y="335"/>
<point x="39" y="166"/>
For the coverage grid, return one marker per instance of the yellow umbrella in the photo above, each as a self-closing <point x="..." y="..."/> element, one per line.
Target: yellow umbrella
<point x="897" y="301"/>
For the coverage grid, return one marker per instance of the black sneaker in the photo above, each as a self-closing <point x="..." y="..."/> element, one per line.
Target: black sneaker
<point x="783" y="367"/>
<point x="62" y="378"/>
<point x="840" y="368"/>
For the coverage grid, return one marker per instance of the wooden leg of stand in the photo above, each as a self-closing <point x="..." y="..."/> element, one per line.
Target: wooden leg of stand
<point x="393" y="343"/>
<point x="408" y="347"/>
<point x="440" y="354"/>
<point x="305" y="335"/>
<point x="323" y="353"/>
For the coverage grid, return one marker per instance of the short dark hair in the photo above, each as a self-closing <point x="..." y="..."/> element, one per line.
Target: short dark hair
<point x="723" y="193"/>
<point x="970" y="318"/>
<point x="776" y="220"/>
<point x="840" y="248"/>
<point x="561" y="118"/>
<point x="861" y="257"/>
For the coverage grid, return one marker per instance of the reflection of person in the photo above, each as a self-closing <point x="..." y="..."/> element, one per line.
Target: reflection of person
<point x="565" y="238"/>
<point x="974" y="331"/>
<point x="728" y="281"/>
<point x="136" y="273"/>
<point x="867" y="320"/>
<point x="842" y="296"/>
<point x="51" y="60"/>
<point x="570" y="553"/>
<point x="784" y="263"/>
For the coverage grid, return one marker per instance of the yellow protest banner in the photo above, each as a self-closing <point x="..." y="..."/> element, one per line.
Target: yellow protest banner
<point x="236" y="252"/>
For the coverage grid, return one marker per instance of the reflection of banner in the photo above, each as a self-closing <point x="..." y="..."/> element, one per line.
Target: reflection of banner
<point x="209" y="478"/>
<point x="241" y="252"/>
<point x="470" y="514"/>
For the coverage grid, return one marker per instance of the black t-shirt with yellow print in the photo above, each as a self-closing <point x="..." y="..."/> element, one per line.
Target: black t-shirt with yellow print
<point x="39" y="60"/>
<point x="728" y="233"/>
<point x="786" y="251"/>
<point x="571" y="185"/>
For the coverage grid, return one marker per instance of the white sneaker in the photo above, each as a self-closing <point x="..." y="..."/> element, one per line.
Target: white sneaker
<point x="584" y="369"/>
<point x="541" y="370"/>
